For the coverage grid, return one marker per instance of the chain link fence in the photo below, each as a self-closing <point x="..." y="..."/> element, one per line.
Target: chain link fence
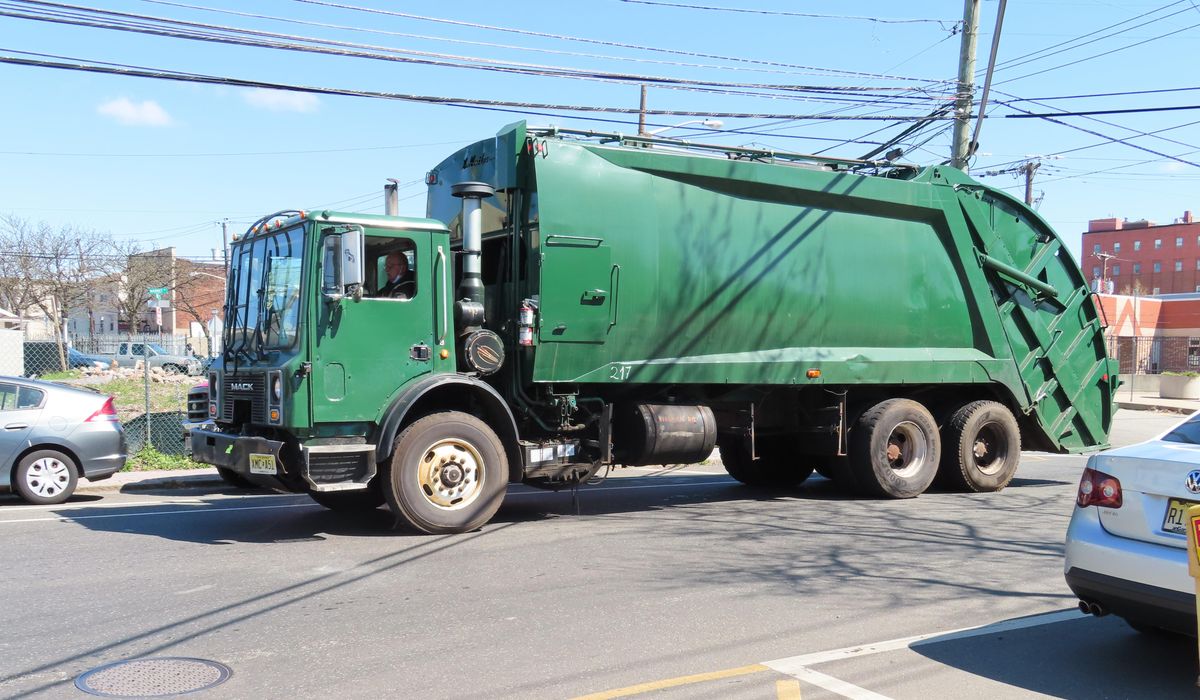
<point x="149" y="376"/>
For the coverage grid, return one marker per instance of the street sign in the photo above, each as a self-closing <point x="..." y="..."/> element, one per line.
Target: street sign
<point x="156" y="291"/>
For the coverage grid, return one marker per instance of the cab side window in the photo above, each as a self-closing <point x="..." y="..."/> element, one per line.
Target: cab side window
<point x="391" y="268"/>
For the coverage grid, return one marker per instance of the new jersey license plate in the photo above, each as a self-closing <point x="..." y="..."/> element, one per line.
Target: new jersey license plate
<point x="264" y="464"/>
<point x="1176" y="516"/>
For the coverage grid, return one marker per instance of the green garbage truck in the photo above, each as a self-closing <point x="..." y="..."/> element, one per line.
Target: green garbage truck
<point x="575" y="300"/>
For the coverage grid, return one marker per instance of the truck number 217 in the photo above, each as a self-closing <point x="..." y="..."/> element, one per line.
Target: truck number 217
<point x="618" y="373"/>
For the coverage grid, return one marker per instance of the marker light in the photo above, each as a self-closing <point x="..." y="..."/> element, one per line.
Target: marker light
<point x="813" y="374"/>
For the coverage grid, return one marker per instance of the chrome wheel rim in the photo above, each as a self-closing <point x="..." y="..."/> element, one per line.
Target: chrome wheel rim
<point x="48" y="477"/>
<point x="450" y="474"/>
<point x="906" y="450"/>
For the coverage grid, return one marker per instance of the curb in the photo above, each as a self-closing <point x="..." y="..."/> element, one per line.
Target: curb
<point x="1154" y="407"/>
<point x="154" y="484"/>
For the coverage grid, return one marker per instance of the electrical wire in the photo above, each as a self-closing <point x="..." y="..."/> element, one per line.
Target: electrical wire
<point x="942" y="22"/>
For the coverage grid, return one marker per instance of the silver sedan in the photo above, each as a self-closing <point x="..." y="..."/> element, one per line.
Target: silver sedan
<point x="52" y="435"/>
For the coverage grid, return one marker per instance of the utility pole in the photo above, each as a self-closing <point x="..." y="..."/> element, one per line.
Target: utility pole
<point x="225" y="244"/>
<point x="966" y="87"/>
<point x="1029" y="167"/>
<point x="642" y="113"/>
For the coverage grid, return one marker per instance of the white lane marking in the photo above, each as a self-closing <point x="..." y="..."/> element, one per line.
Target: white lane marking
<point x="837" y="685"/>
<point x="790" y="663"/>
<point x="125" y="504"/>
<point x="158" y="512"/>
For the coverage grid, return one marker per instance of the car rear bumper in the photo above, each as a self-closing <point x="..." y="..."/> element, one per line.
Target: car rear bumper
<point x="1142" y="581"/>
<point x="102" y="452"/>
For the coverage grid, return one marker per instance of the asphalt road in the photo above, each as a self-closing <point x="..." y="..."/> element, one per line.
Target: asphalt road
<point x="679" y="583"/>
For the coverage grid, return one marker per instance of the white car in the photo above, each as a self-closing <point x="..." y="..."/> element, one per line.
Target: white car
<point x="1126" y="548"/>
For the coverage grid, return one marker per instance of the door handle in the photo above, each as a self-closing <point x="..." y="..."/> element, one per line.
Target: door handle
<point x="16" y="426"/>
<point x="593" y="297"/>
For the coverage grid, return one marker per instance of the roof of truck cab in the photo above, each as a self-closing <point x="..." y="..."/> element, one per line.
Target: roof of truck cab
<point x="399" y="223"/>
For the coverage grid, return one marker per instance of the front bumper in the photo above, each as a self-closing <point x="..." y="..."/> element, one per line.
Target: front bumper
<point x="233" y="452"/>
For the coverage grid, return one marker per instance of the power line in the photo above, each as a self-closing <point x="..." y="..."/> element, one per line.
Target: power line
<point x="197" y="31"/>
<point x="942" y="22"/>
<point x="225" y="155"/>
<point x="1135" y="110"/>
<point x="564" y="37"/>
<point x="475" y="103"/>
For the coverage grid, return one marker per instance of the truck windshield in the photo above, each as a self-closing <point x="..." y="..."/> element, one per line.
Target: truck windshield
<point x="264" y="291"/>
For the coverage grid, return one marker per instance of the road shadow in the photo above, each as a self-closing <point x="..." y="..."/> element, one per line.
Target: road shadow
<point x="1077" y="659"/>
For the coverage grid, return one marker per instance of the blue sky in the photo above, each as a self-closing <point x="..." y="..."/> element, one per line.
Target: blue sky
<point x="162" y="162"/>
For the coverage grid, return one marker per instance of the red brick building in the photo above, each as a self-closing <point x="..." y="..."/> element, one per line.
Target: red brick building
<point x="1141" y="257"/>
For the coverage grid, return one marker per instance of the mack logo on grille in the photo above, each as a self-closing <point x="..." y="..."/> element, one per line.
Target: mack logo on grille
<point x="1193" y="481"/>
<point x="242" y="386"/>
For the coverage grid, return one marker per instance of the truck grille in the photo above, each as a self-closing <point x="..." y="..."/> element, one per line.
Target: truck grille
<point x="197" y="404"/>
<point x="246" y="390"/>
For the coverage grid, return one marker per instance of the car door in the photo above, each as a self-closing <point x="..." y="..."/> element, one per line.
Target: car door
<point x="17" y="419"/>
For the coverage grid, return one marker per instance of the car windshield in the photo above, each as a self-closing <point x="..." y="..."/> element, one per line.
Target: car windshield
<point x="264" y="291"/>
<point x="158" y="350"/>
<point x="1186" y="432"/>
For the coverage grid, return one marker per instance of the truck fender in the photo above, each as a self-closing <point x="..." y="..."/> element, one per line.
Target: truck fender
<point x="452" y="392"/>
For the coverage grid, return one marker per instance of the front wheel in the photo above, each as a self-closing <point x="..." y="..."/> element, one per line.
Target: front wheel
<point x="894" y="449"/>
<point x="777" y="465"/>
<point x="174" y="369"/>
<point x="46" y="477"/>
<point x="448" y="473"/>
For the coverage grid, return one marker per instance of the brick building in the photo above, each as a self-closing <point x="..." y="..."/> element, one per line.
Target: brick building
<point x="1141" y="257"/>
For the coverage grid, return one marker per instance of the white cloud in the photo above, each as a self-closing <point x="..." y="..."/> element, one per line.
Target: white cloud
<point x="129" y="113"/>
<point x="281" y="100"/>
<point x="1171" y="167"/>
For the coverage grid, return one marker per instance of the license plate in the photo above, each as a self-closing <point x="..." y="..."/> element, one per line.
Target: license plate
<point x="1173" y="521"/>
<point x="265" y="464"/>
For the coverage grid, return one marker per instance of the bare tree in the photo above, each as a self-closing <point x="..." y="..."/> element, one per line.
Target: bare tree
<point x="53" y="269"/>
<point x="198" y="290"/>
<point x="141" y="271"/>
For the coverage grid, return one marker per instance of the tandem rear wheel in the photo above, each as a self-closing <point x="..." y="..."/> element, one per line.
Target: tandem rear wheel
<point x="448" y="473"/>
<point x="778" y="463"/>
<point x="894" y="450"/>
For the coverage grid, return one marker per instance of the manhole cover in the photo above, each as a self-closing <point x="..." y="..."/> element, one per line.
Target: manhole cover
<point x="153" y="678"/>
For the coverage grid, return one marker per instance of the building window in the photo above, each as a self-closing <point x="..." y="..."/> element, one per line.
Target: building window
<point x="1154" y="291"/>
<point x="1116" y="270"/>
<point x="1194" y="350"/>
<point x="1157" y="243"/>
<point x="1096" y="271"/>
<point x="1137" y="245"/>
<point x="1096" y="248"/>
<point x="1116" y="247"/>
<point x="1179" y="241"/>
<point x="1158" y="267"/>
<point x="1179" y="266"/>
<point x="1137" y="268"/>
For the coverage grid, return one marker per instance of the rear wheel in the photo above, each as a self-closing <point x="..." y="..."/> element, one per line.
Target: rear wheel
<point x="982" y="448"/>
<point x="448" y="473"/>
<point x="46" y="477"/>
<point x="173" y="369"/>
<point x="777" y="465"/>
<point x="366" y="499"/>
<point x="894" y="449"/>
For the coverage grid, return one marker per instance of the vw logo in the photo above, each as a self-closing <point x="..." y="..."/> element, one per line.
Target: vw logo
<point x="1193" y="481"/>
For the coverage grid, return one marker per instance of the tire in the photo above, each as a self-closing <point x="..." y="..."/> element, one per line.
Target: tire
<point x="894" y="449"/>
<point x="448" y="473"/>
<point x="982" y="448"/>
<point x="234" y="479"/>
<point x="837" y="469"/>
<point x="46" y="477"/>
<point x="776" y="466"/>
<point x="350" y="501"/>
<point x="174" y="369"/>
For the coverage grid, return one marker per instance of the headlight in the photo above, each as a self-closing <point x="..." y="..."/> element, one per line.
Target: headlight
<point x="276" y="388"/>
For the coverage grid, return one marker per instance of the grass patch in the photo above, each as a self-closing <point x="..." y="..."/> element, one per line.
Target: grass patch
<point x="68" y="374"/>
<point x="150" y="459"/>
<point x="130" y="395"/>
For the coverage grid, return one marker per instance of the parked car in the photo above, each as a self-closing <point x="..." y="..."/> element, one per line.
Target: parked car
<point x="1126" y="547"/>
<point x="129" y="354"/>
<point x="53" y="435"/>
<point x="41" y="357"/>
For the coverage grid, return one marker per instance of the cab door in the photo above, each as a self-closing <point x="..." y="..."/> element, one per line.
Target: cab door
<point x="364" y="349"/>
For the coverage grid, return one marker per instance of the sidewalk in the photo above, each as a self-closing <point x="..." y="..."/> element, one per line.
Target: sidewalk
<point x="1150" y="401"/>
<point x="126" y="482"/>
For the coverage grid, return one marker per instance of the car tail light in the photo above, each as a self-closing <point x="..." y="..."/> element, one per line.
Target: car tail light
<point x="106" y="413"/>
<point x="1098" y="489"/>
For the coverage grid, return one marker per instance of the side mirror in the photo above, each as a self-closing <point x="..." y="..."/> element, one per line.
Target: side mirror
<point x="342" y="264"/>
